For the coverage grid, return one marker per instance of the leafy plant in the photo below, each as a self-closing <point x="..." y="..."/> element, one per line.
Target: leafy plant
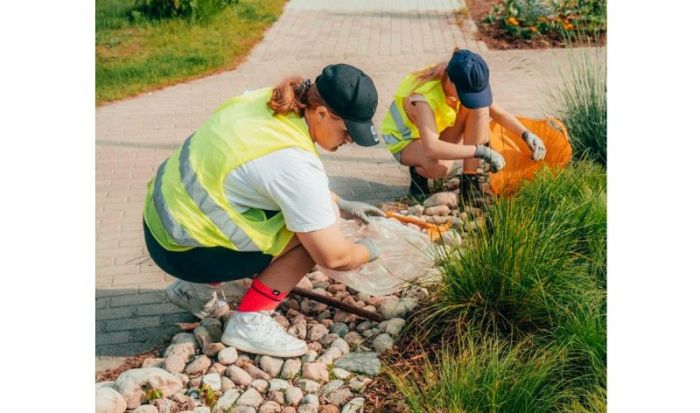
<point x="152" y="393"/>
<point x="558" y="19"/>
<point x="193" y="9"/>
<point x="208" y="395"/>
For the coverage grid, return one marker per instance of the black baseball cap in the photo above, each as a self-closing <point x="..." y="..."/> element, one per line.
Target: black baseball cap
<point x="470" y="73"/>
<point x="350" y="94"/>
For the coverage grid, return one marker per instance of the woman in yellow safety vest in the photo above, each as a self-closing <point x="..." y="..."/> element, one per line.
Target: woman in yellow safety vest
<point x="247" y="194"/>
<point x="441" y="114"/>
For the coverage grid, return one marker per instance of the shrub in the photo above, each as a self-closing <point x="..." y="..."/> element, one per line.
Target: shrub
<point x="581" y="103"/>
<point x="487" y="375"/>
<point x="528" y="19"/>
<point x="193" y="9"/>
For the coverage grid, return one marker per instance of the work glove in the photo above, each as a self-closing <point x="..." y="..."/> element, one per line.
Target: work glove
<point x="536" y="145"/>
<point x="359" y="210"/>
<point x="491" y="157"/>
<point x="371" y="248"/>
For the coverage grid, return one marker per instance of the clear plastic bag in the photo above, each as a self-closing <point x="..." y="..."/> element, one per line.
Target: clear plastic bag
<point x="404" y="255"/>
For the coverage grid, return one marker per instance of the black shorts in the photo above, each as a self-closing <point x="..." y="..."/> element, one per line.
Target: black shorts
<point x="206" y="264"/>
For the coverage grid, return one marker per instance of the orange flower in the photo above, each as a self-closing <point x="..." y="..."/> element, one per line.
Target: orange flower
<point x="512" y="21"/>
<point x="533" y="29"/>
<point x="568" y="26"/>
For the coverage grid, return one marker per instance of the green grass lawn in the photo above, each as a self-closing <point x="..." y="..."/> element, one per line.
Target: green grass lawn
<point x="136" y="56"/>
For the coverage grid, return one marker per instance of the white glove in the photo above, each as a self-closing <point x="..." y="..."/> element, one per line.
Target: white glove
<point x="492" y="157"/>
<point x="536" y="145"/>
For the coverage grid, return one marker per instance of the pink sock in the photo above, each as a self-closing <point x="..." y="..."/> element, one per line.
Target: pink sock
<point x="260" y="297"/>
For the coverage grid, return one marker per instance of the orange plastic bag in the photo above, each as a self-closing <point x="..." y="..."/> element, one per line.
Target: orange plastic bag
<point x="519" y="164"/>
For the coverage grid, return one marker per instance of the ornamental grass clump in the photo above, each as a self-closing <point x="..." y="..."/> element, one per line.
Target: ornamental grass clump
<point x="581" y="103"/>
<point x="544" y="249"/>
<point x="487" y="375"/>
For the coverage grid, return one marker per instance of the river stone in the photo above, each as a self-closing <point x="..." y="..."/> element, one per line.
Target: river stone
<point x="438" y="210"/>
<point x="316" y="332"/>
<point x="397" y="308"/>
<point x="353" y="338"/>
<point x="340" y="396"/>
<point x="442" y="198"/>
<point x="341" y="329"/>
<point x="145" y="408"/>
<point x="255" y="372"/>
<point x="251" y="397"/>
<point x="212" y="349"/>
<point x="174" y="364"/>
<point x="315" y="371"/>
<point x="290" y="369"/>
<point x="416" y="210"/>
<point x="355" y="405"/>
<point x="270" y="407"/>
<point x="226" y="384"/>
<point x="311" y="399"/>
<point x="331" y="355"/>
<point x="227" y="356"/>
<point x="331" y="386"/>
<point x="153" y="362"/>
<point x="308" y="386"/>
<point x="131" y="384"/>
<point x="364" y="362"/>
<point x="277" y="397"/>
<point x="271" y="365"/>
<point x="278" y="384"/>
<point x="307" y="408"/>
<point x="289" y="409"/>
<point x="383" y="342"/>
<point x="238" y="376"/>
<point x="198" y="366"/>
<point x="305" y="284"/>
<point x="202" y="409"/>
<point x="358" y="383"/>
<point x="365" y="325"/>
<point x="212" y="380"/>
<point x="108" y="400"/>
<point x="226" y="401"/>
<point x="309" y="357"/>
<point x="340" y="373"/>
<point x="293" y="395"/>
<point x="183" y="338"/>
<point x="243" y="409"/>
<point x="341" y="345"/>
<point x="328" y="408"/>
<point x="393" y="327"/>
<point x="260" y="385"/>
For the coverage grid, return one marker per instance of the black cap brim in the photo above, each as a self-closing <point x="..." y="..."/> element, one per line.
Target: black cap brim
<point x="362" y="133"/>
<point x="476" y="100"/>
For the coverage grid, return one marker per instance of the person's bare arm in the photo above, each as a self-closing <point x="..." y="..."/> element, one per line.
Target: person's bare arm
<point x="422" y="116"/>
<point x="506" y="119"/>
<point x="329" y="248"/>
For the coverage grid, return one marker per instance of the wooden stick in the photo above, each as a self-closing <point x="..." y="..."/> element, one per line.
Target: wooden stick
<point x="338" y="304"/>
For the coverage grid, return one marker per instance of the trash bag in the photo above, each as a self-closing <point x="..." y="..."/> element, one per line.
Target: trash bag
<point x="404" y="255"/>
<point x="518" y="156"/>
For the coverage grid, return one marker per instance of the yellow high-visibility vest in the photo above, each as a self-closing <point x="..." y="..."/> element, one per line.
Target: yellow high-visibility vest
<point x="186" y="206"/>
<point x="396" y="123"/>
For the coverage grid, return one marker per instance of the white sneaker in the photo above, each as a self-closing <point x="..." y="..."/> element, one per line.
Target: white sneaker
<point x="257" y="332"/>
<point x="202" y="300"/>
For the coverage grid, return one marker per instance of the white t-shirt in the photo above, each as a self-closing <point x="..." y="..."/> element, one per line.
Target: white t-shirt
<point x="289" y="180"/>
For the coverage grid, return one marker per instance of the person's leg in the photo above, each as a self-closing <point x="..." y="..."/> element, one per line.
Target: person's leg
<point x="251" y="327"/>
<point x="474" y="182"/>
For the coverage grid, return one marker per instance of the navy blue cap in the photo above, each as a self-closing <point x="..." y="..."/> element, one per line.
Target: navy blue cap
<point x="470" y="74"/>
<point x="351" y="94"/>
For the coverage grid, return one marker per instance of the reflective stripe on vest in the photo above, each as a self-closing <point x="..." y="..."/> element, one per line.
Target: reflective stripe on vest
<point x="398" y="120"/>
<point x="176" y="231"/>
<point x="206" y="204"/>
